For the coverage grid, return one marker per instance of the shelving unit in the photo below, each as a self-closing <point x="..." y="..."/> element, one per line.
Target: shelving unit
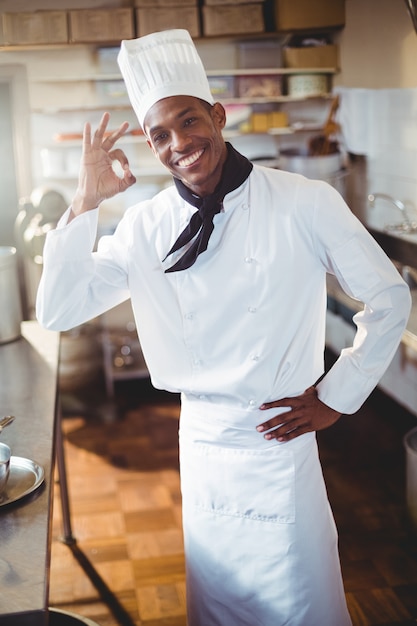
<point x="141" y="160"/>
<point x="100" y="78"/>
<point x="215" y="72"/>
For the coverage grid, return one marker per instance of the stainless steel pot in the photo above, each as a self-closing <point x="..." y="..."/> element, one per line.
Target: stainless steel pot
<point x="320" y="167"/>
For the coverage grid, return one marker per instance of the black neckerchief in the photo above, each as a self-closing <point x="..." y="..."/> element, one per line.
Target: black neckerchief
<point x="235" y="171"/>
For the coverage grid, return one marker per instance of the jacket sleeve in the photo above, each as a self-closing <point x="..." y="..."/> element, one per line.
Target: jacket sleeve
<point x="366" y="274"/>
<point x="78" y="284"/>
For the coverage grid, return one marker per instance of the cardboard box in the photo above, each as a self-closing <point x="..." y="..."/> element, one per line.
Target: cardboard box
<point x="233" y="20"/>
<point x="262" y="122"/>
<point x="312" y="57"/>
<point x="278" y="119"/>
<point x="259" y="122"/>
<point x="100" y="25"/>
<point x="158" y="4"/>
<point x="308" y="14"/>
<point x="38" y="27"/>
<point x="152" y="20"/>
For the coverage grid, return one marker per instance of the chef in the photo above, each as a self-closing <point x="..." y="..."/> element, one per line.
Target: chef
<point x="226" y="271"/>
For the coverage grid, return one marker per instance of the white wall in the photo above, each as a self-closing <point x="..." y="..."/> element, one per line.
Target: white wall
<point x="378" y="45"/>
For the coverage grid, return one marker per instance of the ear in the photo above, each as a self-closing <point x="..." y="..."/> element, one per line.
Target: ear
<point x="218" y="115"/>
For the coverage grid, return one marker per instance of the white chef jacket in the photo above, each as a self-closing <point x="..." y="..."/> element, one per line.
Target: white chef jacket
<point x="246" y="323"/>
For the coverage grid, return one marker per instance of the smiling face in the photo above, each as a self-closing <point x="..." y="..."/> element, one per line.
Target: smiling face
<point x="185" y="134"/>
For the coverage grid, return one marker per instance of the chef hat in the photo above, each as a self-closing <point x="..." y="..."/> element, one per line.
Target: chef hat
<point x="161" y="65"/>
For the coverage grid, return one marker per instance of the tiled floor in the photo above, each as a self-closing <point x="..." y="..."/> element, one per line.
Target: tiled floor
<point x="125" y="504"/>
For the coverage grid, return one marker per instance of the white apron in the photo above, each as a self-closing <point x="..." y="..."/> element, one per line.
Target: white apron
<point x="260" y="540"/>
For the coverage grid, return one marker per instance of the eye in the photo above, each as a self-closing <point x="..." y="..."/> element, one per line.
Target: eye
<point x="160" y="137"/>
<point x="189" y="121"/>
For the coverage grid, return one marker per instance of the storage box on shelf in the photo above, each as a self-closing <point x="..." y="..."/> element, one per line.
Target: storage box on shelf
<point x="32" y="28"/>
<point x="98" y="25"/>
<point x="311" y="56"/>
<point x="260" y="53"/>
<point x="259" y="85"/>
<point x="149" y="20"/>
<point x="232" y="19"/>
<point x="293" y="15"/>
<point x="106" y="60"/>
<point x="222" y="87"/>
<point x="307" y="85"/>
<point x="265" y="122"/>
<point x="112" y="93"/>
<point x="223" y="2"/>
<point x="156" y="4"/>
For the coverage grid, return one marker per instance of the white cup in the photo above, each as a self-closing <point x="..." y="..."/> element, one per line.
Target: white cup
<point x="5" y="454"/>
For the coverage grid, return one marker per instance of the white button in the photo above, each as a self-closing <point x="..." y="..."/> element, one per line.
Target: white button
<point x="197" y="362"/>
<point x="252" y="309"/>
<point x="245" y="207"/>
<point x="248" y="259"/>
<point x="252" y="402"/>
<point x="254" y="357"/>
<point x="202" y="397"/>
<point x="189" y="316"/>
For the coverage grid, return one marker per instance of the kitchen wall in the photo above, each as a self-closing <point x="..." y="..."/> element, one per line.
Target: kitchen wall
<point x="378" y="83"/>
<point x="378" y="46"/>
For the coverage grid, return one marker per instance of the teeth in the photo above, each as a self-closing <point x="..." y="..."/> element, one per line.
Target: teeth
<point x="191" y="159"/>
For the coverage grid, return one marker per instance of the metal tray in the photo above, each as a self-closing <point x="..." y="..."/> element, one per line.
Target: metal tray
<point x="25" y="476"/>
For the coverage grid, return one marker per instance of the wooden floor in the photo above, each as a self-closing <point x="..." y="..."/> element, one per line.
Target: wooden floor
<point x="127" y="568"/>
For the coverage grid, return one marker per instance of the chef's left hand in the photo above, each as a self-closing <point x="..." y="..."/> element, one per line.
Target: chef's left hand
<point x="307" y="413"/>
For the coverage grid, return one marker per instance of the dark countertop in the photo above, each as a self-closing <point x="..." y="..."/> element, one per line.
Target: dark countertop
<point x="28" y="390"/>
<point x="402" y="248"/>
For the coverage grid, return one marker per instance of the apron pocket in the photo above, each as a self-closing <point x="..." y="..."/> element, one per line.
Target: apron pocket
<point x="253" y="484"/>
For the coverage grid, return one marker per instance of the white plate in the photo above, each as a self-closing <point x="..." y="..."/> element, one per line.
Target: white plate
<point x="25" y="476"/>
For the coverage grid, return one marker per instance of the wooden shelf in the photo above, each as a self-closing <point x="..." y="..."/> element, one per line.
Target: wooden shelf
<point x="224" y="101"/>
<point x="275" y="71"/>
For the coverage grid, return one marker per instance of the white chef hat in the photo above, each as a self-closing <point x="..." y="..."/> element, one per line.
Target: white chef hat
<point x="161" y="65"/>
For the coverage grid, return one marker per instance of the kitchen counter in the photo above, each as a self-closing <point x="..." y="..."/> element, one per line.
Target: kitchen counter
<point x="28" y="390"/>
<point x="399" y="247"/>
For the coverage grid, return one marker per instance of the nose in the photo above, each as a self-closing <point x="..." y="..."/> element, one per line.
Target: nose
<point x="180" y="141"/>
